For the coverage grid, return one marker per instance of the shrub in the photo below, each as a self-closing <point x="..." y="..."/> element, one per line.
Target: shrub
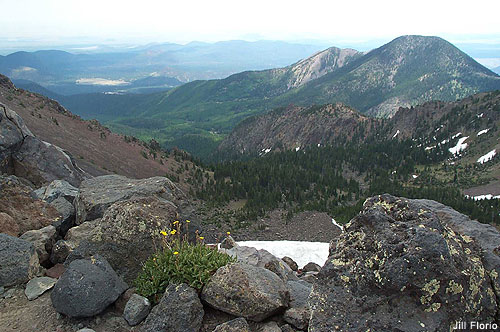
<point x="179" y="262"/>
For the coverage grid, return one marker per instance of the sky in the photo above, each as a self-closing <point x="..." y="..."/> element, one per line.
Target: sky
<point x="342" y="22"/>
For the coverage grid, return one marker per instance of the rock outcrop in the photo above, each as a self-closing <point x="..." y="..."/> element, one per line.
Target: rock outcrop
<point x="98" y="194"/>
<point x="246" y="291"/>
<point x="406" y="265"/>
<point x="87" y="288"/>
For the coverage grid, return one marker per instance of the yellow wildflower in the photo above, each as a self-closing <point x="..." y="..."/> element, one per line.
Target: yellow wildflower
<point x="188" y="221"/>
<point x="176" y="252"/>
<point x="201" y="237"/>
<point x="176" y="222"/>
<point x="173" y="231"/>
<point x="228" y="233"/>
<point x="163" y="233"/>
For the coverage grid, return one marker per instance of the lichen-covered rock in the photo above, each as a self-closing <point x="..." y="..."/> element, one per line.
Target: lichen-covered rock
<point x="127" y="235"/>
<point x="402" y="265"/>
<point x="55" y="190"/>
<point x="298" y="317"/>
<point x="246" y="291"/>
<point x="98" y="194"/>
<point x="179" y="310"/>
<point x="87" y="288"/>
<point x="136" y="310"/>
<point x="262" y="258"/>
<point x="18" y="261"/>
<point x="43" y="240"/>
<point x="235" y="325"/>
<point x="291" y="263"/>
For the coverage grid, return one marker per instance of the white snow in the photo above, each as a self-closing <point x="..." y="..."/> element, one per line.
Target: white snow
<point x="484" y="131"/>
<point x="487" y="157"/>
<point x="481" y="197"/>
<point x="480" y="115"/>
<point x="396" y="134"/>
<point x="267" y="150"/>
<point x="338" y="225"/>
<point x="414" y="176"/>
<point x="300" y="251"/>
<point x="430" y="148"/>
<point x="297" y="148"/>
<point x="444" y="141"/>
<point x="460" y="146"/>
<point x="456" y="135"/>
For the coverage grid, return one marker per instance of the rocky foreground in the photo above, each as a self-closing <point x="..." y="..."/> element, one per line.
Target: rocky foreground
<point x="71" y="246"/>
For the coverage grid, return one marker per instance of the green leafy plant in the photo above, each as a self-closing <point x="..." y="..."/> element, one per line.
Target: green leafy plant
<point x="179" y="262"/>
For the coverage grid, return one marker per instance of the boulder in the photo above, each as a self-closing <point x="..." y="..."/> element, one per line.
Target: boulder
<point x="262" y="258"/>
<point x="291" y="263"/>
<point x="299" y="293"/>
<point x="98" y="194"/>
<point x="19" y="261"/>
<point x="311" y="267"/>
<point x="87" y="288"/>
<point x="43" y="240"/>
<point x="41" y="163"/>
<point x="37" y="286"/>
<point x="246" y="291"/>
<point x="13" y="131"/>
<point x="298" y="317"/>
<point x="67" y="211"/>
<point x="403" y="265"/>
<point x="235" y="325"/>
<point x="19" y="211"/>
<point x="127" y="235"/>
<point x="136" y="310"/>
<point x="55" y="190"/>
<point x="179" y="310"/>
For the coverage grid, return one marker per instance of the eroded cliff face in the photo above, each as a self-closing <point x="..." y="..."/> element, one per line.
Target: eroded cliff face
<point x="408" y="265"/>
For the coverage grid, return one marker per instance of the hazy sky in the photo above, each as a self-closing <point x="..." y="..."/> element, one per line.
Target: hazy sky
<point x="214" y="20"/>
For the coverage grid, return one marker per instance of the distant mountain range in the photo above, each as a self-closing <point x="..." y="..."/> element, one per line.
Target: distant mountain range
<point x="407" y="71"/>
<point x="168" y="64"/>
<point x="496" y="70"/>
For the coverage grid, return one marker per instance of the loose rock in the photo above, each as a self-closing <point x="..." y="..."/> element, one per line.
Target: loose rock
<point x="291" y="263"/>
<point x="246" y="291"/>
<point x="37" y="286"/>
<point x="235" y="325"/>
<point x="43" y="240"/>
<point x="136" y="310"/>
<point x="19" y="261"/>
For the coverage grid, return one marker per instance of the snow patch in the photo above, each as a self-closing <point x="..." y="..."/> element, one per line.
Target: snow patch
<point x="484" y="131"/>
<point x="297" y="148"/>
<point x="461" y="145"/>
<point x="456" y="135"/>
<point x="430" y="148"/>
<point x="480" y="115"/>
<point x="487" y="157"/>
<point x="482" y="197"/>
<point x="301" y="252"/>
<point x="414" y="176"/>
<point x="396" y="134"/>
<point x="338" y="225"/>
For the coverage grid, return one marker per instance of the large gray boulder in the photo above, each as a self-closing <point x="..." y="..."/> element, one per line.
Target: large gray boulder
<point x="41" y="163"/>
<point x="127" y="235"/>
<point x="404" y="265"/>
<point x="87" y="288"/>
<point x="179" y="310"/>
<point x="262" y="258"/>
<point x="55" y="190"/>
<point x="246" y="291"/>
<point x="98" y="194"/>
<point x="13" y="131"/>
<point x="18" y="261"/>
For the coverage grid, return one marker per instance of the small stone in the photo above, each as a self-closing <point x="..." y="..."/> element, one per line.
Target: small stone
<point x="291" y="263"/>
<point x="38" y="286"/>
<point x="270" y="327"/>
<point x="298" y="317"/>
<point x="136" y="310"/>
<point x="55" y="271"/>
<point x="311" y="267"/>
<point x="85" y="330"/>
<point x="235" y="325"/>
<point x="123" y="299"/>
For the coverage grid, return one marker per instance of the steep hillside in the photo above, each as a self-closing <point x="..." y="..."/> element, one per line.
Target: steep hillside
<point x="94" y="147"/>
<point x="297" y="127"/>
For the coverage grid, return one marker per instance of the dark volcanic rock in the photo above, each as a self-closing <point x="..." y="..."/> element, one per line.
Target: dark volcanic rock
<point x="402" y="265"/>
<point x="98" y="194"/>
<point x="311" y="267"/>
<point x="136" y="310"/>
<point x="41" y="162"/>
<point x="235" y="325"/>
<point x="55" y="190"/>
<point x="18" y="261"/>
<point x="179" y="310"/>
<point x="67" y="211"/>
<point x="291" y="263"/>
<point x="87" y="288"/>
<point x="12" y="134"/>
<point x="246" y="291"/>
<point x="127" y="235"/>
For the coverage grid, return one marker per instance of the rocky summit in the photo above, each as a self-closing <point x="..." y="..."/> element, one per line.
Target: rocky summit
<point x="405" y="265"/>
